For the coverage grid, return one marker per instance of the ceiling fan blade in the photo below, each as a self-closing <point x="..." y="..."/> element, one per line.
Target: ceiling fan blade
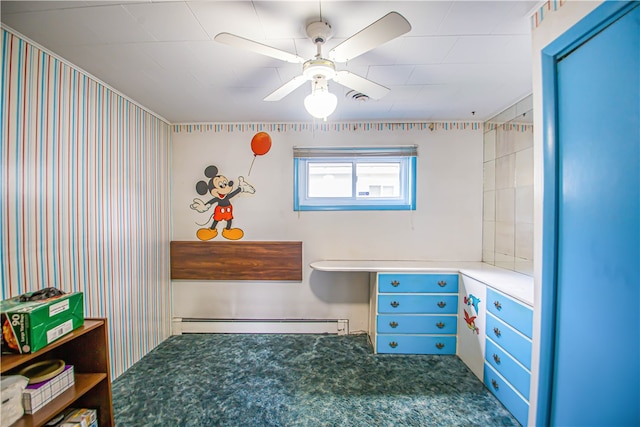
<point x="263" y="49"/>
<point x="360" y="84"/>
<point x="385" y="29"/>
<point x="286" y="88"/>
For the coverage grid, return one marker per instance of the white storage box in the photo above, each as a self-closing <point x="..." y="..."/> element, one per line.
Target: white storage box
<point x="35" y="396"/>
<point x="11" y="388"/>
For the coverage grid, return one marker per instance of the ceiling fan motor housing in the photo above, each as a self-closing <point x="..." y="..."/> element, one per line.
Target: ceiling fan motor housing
<point x="319" y="32"/>
<point x="319" y="68"/>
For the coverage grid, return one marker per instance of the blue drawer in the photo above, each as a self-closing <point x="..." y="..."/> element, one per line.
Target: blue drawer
<point x="417" y="324"/>
<point x="416" y="344"/>
<point x="511" y="341"/>
<point x="506" y="365"/>
<point x="512" y="312"/>
<point x="433" y="304"/>
<point x="418" y="283"/>
<point x="506" y="394"/>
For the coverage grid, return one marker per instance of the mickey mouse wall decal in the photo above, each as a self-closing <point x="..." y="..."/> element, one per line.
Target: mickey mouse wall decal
<point x="221" y="190"/>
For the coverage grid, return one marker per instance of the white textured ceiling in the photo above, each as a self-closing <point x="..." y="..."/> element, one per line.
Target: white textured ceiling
<point x="462" y="60"/>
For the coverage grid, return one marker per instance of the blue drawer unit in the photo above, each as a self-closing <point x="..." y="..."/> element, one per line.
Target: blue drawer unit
<point x="508" y="367"/>
<point x="512" y="312"/>
<point x="416" y="324"/>
<point x="416" y="344"/>
<point x="518" y="406"/>
<point x="447" y="283"/>
<point x="440" y="304"/>
<point x="510" y="340"/>
<point x="415" y="313"/>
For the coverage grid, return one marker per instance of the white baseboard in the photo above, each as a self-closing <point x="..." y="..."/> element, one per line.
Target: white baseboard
<point x="251" y="326"/>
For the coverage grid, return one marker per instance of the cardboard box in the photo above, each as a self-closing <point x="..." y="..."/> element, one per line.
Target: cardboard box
<point x="74" y="417"/>
<point x="29" y="326"/>
<point x="36" y="396"/>
<point x="81" y="418"/>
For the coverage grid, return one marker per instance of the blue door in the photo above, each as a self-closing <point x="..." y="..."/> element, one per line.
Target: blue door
<point x="590" y="343"/>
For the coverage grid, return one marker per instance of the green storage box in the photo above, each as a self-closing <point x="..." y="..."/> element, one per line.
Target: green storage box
<point x="29" y="326"/>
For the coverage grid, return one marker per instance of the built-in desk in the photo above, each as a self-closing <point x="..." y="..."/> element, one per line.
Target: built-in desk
<point x="477" y="311"/>
<point x="516" y="285"/>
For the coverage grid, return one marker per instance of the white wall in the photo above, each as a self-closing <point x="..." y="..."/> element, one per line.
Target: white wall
<point x="445" y="226"/>
<point x="553" y="25"/>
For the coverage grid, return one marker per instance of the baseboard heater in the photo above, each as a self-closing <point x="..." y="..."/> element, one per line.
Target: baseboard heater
<point x="181" y="325"/>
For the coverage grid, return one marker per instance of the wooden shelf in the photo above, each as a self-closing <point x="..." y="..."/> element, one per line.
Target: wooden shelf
<point x="10" y="361"/>
<point x="83" y="383"/>
<point x="86" y="349"/>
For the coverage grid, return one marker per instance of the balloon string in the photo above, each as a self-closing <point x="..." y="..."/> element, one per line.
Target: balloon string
<point x="254" y="159"/>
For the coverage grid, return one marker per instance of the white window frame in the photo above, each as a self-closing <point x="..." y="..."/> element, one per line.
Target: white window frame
<point x="405" y="156"/>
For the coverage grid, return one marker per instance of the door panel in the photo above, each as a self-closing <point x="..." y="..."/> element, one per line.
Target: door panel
<point x="597" y="359"/>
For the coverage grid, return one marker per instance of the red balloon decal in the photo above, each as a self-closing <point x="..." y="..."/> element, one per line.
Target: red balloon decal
<point x="260" y="143"/>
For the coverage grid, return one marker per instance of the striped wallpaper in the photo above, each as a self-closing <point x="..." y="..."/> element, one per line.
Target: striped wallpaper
<point x="85" y="202"/>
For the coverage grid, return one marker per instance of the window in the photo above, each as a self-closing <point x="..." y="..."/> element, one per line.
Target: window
<point x="354" y="178"/>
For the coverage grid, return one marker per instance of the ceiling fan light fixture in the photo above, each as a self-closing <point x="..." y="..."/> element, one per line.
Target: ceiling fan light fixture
<point x="320" y="103"/>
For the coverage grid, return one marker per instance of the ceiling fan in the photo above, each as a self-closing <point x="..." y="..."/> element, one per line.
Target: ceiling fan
<point x="319" y="70"/>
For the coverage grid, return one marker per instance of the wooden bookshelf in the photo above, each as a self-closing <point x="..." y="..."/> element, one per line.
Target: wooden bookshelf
<point x="87" y="349"/>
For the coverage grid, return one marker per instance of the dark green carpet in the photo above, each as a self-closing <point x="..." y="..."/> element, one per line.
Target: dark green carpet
<point x="298" y="380"/>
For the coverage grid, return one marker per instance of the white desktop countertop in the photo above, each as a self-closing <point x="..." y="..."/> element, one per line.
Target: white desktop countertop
<point x="514" y="284"/>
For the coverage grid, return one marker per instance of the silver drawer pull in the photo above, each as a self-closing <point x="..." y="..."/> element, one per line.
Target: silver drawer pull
<point x="498" y="305"/>
<point x="442" y="304"/>
<point x="496" y="331"/>
<point x="394" y="304"/>
<point x="496" y="358"/>
<point x="495" y="385"/>
<point x="440" y="325"/>
<point x="393" y="324"/>
<point x="393" y="344"/>
<point x="395" y="283"/>
<point x="440" y="346"/>
<point x="442" y="283"/>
